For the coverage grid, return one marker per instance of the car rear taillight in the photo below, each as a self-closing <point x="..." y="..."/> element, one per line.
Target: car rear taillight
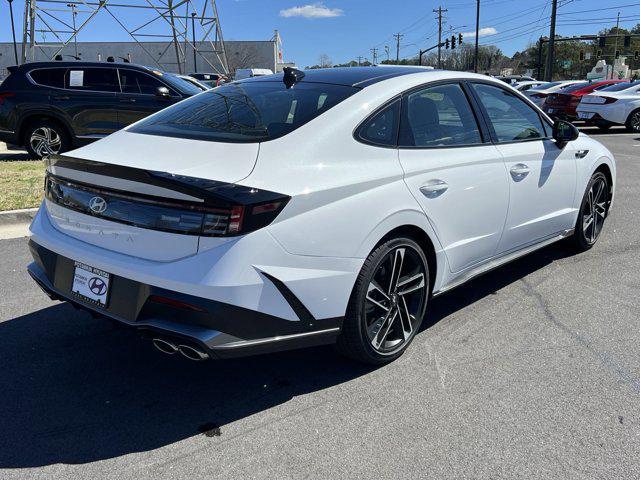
<point x="609" y="100"/>
<point x="4" y="95"/>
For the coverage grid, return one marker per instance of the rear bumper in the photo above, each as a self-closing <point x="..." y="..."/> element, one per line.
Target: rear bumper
<point x="220" y="329"/>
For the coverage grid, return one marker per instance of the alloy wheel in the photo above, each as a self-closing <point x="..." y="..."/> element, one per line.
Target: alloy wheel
<point x="595" y="210"/>
<point x="395" y="300"/>
<point x="45" y="141"/>
<point x="634" y="121"/>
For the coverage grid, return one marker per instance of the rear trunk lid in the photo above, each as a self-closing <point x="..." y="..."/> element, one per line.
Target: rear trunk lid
<point x="146" y="196"/>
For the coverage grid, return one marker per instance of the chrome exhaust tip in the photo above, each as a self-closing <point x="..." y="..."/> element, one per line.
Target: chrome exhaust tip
<point x="165" y="346"/>
<point x="192" y="353"/>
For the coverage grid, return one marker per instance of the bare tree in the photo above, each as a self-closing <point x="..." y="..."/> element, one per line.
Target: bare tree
<point x="325" y="61"/>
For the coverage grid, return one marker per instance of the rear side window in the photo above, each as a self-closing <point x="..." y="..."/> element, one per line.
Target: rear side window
<point x="382" y="127"/>
<point x="511" y="118"/>
<point x="245" y="111"/>
<point x="49" y="77"/>
<point x="92" y="79"/>
<point x="138" y="82"/>
<point x="438" y="116"/>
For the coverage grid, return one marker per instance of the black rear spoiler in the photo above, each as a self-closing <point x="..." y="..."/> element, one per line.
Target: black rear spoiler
<point x="212" y="192"/>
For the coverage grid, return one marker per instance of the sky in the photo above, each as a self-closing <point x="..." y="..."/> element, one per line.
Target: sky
<point x="346" y="29"/>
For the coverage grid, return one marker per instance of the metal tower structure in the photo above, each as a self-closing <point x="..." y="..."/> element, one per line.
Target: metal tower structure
<point x="186" y="26"/>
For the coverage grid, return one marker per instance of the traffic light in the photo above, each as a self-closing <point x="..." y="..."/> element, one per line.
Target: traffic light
<point x="446" y="43"/>
<point x="602" y="42"/>
<point x="617" y="53"/>
<point x="627" y="41"/>
<point x="581" y="55"/>
<point x="460" y="38"/>
<point x="453" y="42"/>
<point x="636" y="54"/>
<point x="599" y="53"/>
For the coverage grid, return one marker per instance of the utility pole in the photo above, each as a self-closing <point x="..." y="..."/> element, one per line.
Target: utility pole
<point x="440" y="11"/>
<point x="193" y="36"/>
<point x="615" y="48"/>
<point x="475" y="56"/>
<point x="359" y="60"/>
<point x="74" y="12"/>
<point x="13" y="31"/>
<point x="398" y="37"/>
<point x="386" y="51"/>
<point x="552" y="35"/>
<point x="374" y="53"/>
<point x="539" y="62"/>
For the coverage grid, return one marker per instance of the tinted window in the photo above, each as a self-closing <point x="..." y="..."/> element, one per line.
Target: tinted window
<point x="512" y="119"/>
<point x="92" y="79"/>
<point x="616" y="87"/>
<point x="138" y="82"/>
<point x="438" y="116"/>
<point x="51" y="77"/>
<point x="574" y="87"/>
<point x="544" y="86"/>
<point x="245" y="112"/>
<point x="381" y="129"/>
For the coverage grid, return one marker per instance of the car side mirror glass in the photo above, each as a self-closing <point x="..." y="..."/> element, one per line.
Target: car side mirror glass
<point x="163" y="92"/>
<point x="564" y="132"/>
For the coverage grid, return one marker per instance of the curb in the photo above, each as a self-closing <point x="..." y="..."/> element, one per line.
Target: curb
<point x="15" y="217"/>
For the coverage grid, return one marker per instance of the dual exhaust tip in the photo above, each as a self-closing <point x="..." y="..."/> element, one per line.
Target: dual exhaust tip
<point x="189" y="351"/>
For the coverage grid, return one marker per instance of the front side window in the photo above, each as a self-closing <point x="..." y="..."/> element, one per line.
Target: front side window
<point x="245" y="111"/>
<point x="511" y="118"/>
<point x="138" y="82"/>
<point x="438" y="116"/>
<point x="50" y="77"/>
<point x="382" y="127"/>
<point x="92" y="79"/>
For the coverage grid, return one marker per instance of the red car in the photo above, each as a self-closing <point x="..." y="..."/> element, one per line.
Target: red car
<point x="563" y="104"/>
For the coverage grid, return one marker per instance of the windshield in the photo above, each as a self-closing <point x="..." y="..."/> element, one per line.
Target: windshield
<point x="184" y="86"/>
<point x="245" y="111"/>
<point x="620" y="86"/>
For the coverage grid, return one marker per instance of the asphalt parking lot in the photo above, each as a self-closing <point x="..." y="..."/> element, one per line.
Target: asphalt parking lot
<point x="531" y="371"/>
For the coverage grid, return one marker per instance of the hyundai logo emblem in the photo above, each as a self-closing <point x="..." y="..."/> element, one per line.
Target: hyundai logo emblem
<point x="97" y="286"/>
<point x="98" y="204"/>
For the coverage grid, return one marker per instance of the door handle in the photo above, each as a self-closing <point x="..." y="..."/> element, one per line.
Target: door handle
<point x="434" y="188"/>
<point x="520" y="170"/>
<point x="61" y="97"/>
<point x="127" y="100"/>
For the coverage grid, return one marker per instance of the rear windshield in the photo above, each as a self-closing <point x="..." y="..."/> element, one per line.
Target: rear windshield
<point x="575" y="87"/>
<point x="245" y="111"/>
<point x="616" y="87"/>
<point x="544" y="86"/>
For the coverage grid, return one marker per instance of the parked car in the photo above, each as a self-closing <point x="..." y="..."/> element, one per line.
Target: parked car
<point x="326" y="206"/>
<point x="615" y="105"/>
<point x="200" y="85"/>
<point x="526" y="85"/>
<point x="511" y="79"/>
<point x="243" y="73"/>
<point x="51" y="107"/>
<point x="211" y="80"/>
<point x="539" y="94"/>
<point x="563" y="103"/>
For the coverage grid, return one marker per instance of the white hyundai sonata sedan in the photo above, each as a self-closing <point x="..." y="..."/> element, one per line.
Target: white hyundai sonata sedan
<point x="317" y="207"/>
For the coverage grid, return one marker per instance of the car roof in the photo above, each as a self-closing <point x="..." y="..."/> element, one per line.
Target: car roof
<point x="81" y="63"/>
<point x="349" y="76"/>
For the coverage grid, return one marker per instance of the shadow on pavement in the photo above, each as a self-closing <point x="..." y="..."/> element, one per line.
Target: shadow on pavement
<point x="78" y="390"/>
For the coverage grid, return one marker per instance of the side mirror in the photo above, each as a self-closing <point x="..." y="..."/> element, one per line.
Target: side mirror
<point x="163" y="92"/>
<point x="564" y="132"/>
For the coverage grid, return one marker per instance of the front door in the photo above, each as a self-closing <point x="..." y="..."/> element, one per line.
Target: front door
<point x="138" y="98"/>
<point x="459" y="180"/>
<point x="542" y="177"/>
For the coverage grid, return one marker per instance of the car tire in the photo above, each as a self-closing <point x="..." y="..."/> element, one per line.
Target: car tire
<point x="591" y="221"/>
<point x="387" y="304"/>
<point x="633" y="121"/>
<point x="45" y="137"/>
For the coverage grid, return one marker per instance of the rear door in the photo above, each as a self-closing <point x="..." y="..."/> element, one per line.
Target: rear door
<point x="458" y="178"/>
<point x="138" y="98"/>
<point x="542" y="177"/>
<point x="88" y="100"/>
